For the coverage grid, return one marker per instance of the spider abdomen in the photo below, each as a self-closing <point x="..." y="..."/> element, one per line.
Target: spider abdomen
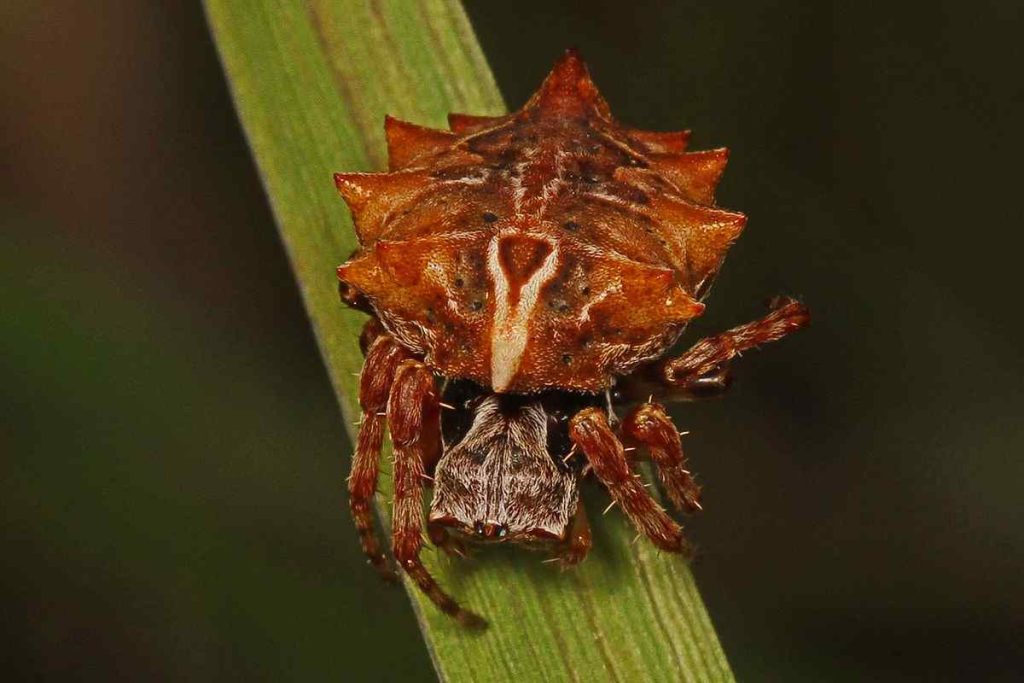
<point x="550" y="248"/>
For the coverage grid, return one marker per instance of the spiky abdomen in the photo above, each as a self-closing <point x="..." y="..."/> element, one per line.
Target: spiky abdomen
<point x="552" y="247"/>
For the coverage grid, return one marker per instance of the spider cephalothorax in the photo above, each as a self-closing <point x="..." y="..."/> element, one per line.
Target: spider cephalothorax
<point x="518" y="269"/>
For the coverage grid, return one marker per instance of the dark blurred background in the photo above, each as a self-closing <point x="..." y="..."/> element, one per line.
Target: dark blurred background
<point x="173" y="457"/>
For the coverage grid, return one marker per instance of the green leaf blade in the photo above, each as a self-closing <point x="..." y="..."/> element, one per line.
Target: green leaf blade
<point x="312" y="82"/>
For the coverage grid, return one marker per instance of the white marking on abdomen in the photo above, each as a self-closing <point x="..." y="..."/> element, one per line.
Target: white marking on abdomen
<point x="511" y="325"/>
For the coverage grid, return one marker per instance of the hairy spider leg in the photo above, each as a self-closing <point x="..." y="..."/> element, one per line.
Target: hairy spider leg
<point x="382" y="359"/>
<point x="578" y="542"/>
<point x="590" y="430"/>
<point x="711" y="356"/>
<point x="414" y="419"/>
<point x="649" y="425"/>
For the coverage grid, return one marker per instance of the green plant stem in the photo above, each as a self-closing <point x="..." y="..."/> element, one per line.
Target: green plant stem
<point x="312" y="82"/>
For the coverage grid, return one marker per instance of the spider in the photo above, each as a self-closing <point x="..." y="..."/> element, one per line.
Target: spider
<point x="526" y="276"/>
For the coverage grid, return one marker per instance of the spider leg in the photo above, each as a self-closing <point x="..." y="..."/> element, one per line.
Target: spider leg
<point x="591" y="431"/>
<point x="351" y="297"/>
<point x="698" y="367"/>
<point x="649" y="425"/>
<point x="441" y="538"/>
<point x="414" y="416"/>
<point x="371" y="330"/>
<point x="382" y="359"/>
<point x="578" y="542"/>
<point x="641" y="385"/>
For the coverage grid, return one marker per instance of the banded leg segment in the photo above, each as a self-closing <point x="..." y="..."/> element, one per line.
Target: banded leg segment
<point x="649" y="425"/>
<point x="414" y="418"/>
<point x="590" y="430"/>
<point x="709" y="357"/>
<point x="382" y="360"/>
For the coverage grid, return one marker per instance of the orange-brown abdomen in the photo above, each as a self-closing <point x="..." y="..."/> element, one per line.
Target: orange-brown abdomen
<point x="549" y="248"/>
